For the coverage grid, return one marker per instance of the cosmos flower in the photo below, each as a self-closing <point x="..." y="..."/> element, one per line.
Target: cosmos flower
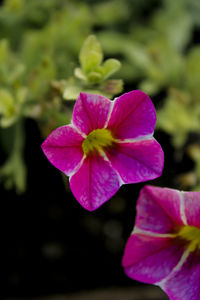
<point x="164" y="247"/>
<point x="107" y="144"/>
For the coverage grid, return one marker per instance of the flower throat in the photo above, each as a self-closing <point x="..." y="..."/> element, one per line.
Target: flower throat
<point x="97" y="140"/>
<point x="191" y="235"/>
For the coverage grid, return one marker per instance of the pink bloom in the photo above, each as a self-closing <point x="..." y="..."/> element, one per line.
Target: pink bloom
<point x="108" y="143"/>
<point x="164" y="248"/>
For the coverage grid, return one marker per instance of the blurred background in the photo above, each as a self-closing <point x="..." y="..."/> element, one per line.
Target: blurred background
<point x="51" y="245"/>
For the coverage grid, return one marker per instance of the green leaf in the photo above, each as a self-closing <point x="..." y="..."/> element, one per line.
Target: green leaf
<point x="13" y="172"/>
<point x="16" y="73"/>
<point x="8" y="110"/>
<point x="91" y="54"/>
<point x="111" y="12"/>
<point x="14" y="5"/>
<point x="80" y="74"/>
<point x="71" y="92"/>
<point x="21" y="95"/>
<point x="192" y="70"/>
<point x="110" y="66"/>
<point x="6" y="101"/>
<point x="175" y="23"/>
<point x="4" y="49"/>
<point x="94" y="77"/>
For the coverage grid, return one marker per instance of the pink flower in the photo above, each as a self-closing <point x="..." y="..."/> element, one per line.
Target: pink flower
<point x="164" y="248"/>
<point x="108" y="143"/>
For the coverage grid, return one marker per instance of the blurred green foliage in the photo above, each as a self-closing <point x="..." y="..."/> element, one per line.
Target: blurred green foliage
<point x="50" y="50"/>
<point x="93" y="73"/>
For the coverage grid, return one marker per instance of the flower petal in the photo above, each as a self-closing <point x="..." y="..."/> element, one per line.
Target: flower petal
<point x="150" y="259"/>
<point x="184" y="283"/>
<point x="91" y="112"/>
<point x="94" y="183"/>
<point x="158" y="210"/>
<point x="191" y="202"/>
<point x="137" y="161"/>
<point x="63" y="148"/>
<point x="133" y="115"/>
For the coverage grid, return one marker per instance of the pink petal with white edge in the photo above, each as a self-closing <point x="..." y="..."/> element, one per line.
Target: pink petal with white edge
<point x="133" y="115"/>
<point x="150" y="259"/>
<point x="137" y="161"/>
<point x="94" y="183"/>
<point x="191" y="204"/>
<point x="90" y="112"/>
<point x="158" y="210"/>
<point x="184" y="283"/>
<point x="63" y="148"/>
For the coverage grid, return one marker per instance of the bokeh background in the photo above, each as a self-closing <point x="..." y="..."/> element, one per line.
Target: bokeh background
<point x="50" y="244"/>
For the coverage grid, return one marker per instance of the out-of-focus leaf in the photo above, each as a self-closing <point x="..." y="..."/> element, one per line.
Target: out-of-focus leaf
<point x="175" y="22"/>
<point x="138" y="55"/>
<point x="14" y="5"/>
<point x="17" y="72"/>
<point x="149" y="87"/>
<point x="192" y="69"/>
<point x="79" y="74"/>
<point x="194" y="8"/>
<point x="111" y="12"/>
<point x="71" y="92"/>
<point x="91" y="55"/>
<point x="13" y="172"/>
<point x="110" y="66"/>
<point x="194" y="152"/>
<point x="8" y="109"/>
<point x="177" y="117"/>
<point x="21" y="95"/>
<point x="4" y="50"/>
<point x="94" y="77"/>
<point x="40" y="78"/>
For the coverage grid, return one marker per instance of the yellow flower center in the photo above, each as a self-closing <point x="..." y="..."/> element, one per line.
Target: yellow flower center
<point x="191" y="235"/>
<point x="97" y="140"/>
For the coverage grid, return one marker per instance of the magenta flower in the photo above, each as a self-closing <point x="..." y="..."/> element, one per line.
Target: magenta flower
<point x="164" y="248"/>
<point x="108" y="143"/>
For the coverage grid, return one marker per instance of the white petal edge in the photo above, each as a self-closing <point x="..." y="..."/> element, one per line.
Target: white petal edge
<point x="176" y="268"/>
<point x="137" y="139"/>
<point x="103" y="154"/>
<point x="182" y="209"/>
<point x="77" y="167"/>
<point x="110" y="112"/>
<point x="153" y="234"/>
<point x="80" y="132"/>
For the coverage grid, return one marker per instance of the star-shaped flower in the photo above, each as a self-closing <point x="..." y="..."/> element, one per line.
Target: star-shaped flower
<point x="108" y="143"/>
<point x="164" y="247"/>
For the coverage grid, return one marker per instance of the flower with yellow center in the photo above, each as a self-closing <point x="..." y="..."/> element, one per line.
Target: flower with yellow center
<point x="164" y="248"/>
<point x="108" y="143"/>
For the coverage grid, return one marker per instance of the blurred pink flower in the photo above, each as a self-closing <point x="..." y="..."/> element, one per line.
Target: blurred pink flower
<point x="164" y="247"/>
<point x="108" y="143"/>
